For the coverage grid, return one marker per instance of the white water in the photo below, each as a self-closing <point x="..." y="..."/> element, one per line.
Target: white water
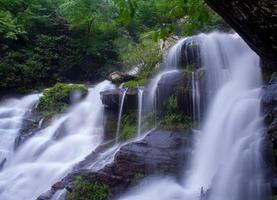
<point x="196" y="96"/>
<point x="51" y="153"/>
<point x="153" y="90"/>
<point x="140" y="99"/>
<point x="122" y="99"/>
<point x="227" y="157"/>
<point x="173" y="60"/>
<point x="172" y="63"/>
<point x="12" y="114"/>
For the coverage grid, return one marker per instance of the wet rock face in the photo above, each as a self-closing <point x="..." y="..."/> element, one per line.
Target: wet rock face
<point x="29" y="127"/>
<point x="159" y="153"/>
<point x="111" y="98"/>
<point x="270" y="109"/>
<point x="269" y="103"/>
<point x="191" y="58"/>
<point x="255" y="21"/>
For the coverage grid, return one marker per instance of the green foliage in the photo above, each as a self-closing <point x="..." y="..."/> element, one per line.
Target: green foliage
<point x="127" y="10"/>
<point x="172" y="17"/>
<point x="173" y="118"/>
<point x="9" y="27"/>
<point x="146" y="54"/>
<point x="55" y="41"/>
<point x="128" y="126"/>
<point x="44" y="41"/>
<point x="188" y="69"/>
<point x="56" y="99"/>
<point x="86" y="190"/>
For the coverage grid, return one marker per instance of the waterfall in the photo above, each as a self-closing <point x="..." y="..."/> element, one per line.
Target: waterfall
<point x="227" y="157"/>
<point x="52" y="152"/>
<point x="121" y="105"/>
<point x="140" y="99"/>
<point x="12" y="114"/>
<point x="226" y="163"/>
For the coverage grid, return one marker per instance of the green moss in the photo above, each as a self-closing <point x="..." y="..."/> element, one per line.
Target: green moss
<point x="86" y="190"/>
<point x="56" y="99"/>
<point x="135" y="83"/>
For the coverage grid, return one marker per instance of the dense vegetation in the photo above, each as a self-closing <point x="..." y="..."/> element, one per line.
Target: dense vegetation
<point x="46" y="41"/>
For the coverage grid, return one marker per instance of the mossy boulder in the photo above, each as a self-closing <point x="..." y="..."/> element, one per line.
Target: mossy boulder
<point x="120" y="77"/>
<point x="57" y="98"/>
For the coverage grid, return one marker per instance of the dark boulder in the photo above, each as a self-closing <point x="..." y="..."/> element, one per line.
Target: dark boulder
<point x="120" y="77"/>
<point x="159" y="153"/>
<point x="255" y="21"/>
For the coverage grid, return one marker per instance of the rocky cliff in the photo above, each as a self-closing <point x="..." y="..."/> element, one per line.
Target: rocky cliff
<point x="256" y="22"/>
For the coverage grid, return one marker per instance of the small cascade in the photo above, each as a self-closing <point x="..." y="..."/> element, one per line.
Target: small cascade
<point x="12" y="114"/>
<point x="153" y="90"/>
<point x="53" y="151"/>
<point x="173" y="58"/>
<point x="122" y="99"/>
<point x="140" y="99"/>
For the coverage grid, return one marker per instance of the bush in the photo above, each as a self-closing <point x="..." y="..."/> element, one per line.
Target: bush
<point x="173" y="118"/>
<point x="86" y="190"/>
<point x="56" y="99"/>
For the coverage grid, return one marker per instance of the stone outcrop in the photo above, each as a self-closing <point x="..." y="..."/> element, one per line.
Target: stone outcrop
<point x="30" y="126"/>
<point x="112" y="98"/>
<point x="255" y="21"/>
<point x="120" y="77"/>
<point x="159" y="153"/>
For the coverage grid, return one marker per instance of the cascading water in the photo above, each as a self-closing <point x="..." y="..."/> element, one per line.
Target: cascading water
<point x="52" y="152"/>
<point x="12" y="114"/>
<point x="140" y="99"/>
<point x="227" y="163"/>
<point x="121" y="105"/>
<point x="172" y="63"/>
